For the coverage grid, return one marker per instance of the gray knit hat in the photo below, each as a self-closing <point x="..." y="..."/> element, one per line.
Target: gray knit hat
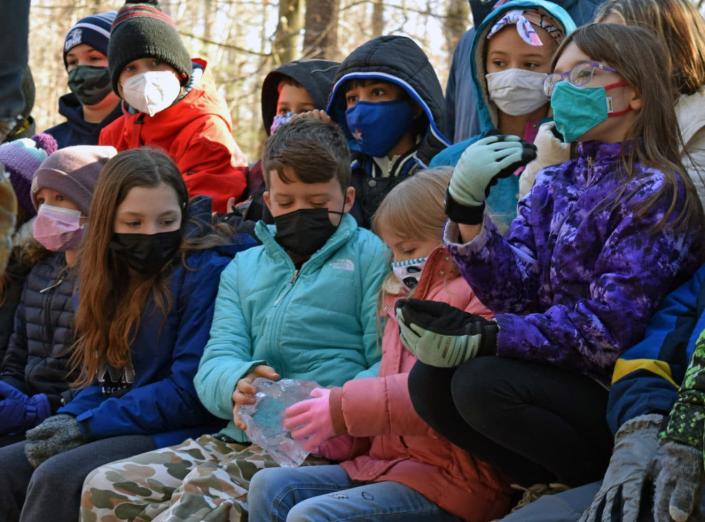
<point x="72" y="171"/>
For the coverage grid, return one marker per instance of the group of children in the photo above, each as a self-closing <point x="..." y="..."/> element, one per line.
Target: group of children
<point x="510" y="315"/>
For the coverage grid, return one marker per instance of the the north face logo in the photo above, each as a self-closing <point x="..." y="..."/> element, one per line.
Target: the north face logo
<point x="73" y="39"/>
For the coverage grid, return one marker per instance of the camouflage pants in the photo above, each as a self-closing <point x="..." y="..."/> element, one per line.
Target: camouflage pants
<point x="204" y="479"/>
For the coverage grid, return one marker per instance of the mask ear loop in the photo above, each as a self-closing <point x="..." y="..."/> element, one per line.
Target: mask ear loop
<point x="610" y="112"/>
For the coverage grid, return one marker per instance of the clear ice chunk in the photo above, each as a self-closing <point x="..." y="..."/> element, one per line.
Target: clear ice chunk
<point x="264" y="418"/>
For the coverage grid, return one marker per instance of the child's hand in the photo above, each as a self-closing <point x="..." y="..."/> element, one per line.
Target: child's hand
<point x="245" y="392"/>
<point x="311" y="420"/>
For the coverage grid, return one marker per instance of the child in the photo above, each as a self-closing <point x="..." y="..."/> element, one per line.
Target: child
<point x="408" y="469"/>
<point x="35" y="376"/>
<point x="91" y="105"/>
<point x="294" y="88"/>
<point x="168" y="107"/>
<point x="148" y="279"/>
<point x="596" y="245"/>
<point x="681" y="30"/>
<point x="300" y="306"/>
<point x="21" y="159"/>
<point x="388" y="100"/>
<point x="512" y="54"/>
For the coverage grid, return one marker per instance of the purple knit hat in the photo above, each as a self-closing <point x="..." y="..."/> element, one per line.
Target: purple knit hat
<point x="22" y="159"/>
<point x="73" y="171"/>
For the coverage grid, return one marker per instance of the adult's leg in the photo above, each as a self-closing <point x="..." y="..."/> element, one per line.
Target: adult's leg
<point x="552" y="417"/>
<point x="14" y="25"/>
<point x="54" y="491"/>
<point x="383" y="501"/>
<point x="430" y="389"/>
<point x="275" y="491"/>
<point x="15" y="474"/>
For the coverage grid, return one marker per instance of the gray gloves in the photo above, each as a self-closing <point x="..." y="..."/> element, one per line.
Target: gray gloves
<point x="677" y="474"/>
<point x="635" y="446"/>
<point x="53" y="436"/>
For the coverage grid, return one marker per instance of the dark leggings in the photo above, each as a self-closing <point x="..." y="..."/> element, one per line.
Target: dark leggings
<point x="535" y="422"/>
<point x="53" y="490"/>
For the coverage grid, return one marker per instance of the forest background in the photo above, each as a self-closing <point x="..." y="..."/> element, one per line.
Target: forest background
<point x="243" y="40"/>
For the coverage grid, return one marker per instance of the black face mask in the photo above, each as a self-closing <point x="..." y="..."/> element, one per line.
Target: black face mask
<point x="90" y="84"/>
<point x="304" y="231"/>
<point x="146" y="253"/>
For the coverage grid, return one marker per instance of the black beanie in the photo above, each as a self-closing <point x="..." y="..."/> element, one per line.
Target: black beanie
<point x="142" y="30"/>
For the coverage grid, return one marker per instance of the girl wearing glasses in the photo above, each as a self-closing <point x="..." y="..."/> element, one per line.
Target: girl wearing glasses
<point x="596" y="244"/>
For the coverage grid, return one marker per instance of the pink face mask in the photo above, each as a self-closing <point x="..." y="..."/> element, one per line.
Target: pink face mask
<point x="58" y="229"/>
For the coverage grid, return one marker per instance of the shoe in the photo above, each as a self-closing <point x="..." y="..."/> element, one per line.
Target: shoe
<point x="536" y="491"/>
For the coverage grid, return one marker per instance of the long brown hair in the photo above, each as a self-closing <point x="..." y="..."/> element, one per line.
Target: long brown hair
<point x="680" y="28"/>
<point x="112" y="299"/>
<point x="654" y="139"/>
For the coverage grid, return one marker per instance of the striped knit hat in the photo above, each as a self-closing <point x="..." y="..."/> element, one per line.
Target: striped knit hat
<point x="92" y="30"/>
<point x="142" y="30"/>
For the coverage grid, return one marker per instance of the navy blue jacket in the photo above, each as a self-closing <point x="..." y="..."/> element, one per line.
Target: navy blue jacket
<point x="75" y="130"/>
<point x="162" y="401"/>
<point x="647" y="376"/>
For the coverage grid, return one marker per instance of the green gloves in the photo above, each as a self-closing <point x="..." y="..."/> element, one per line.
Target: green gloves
<point x="478" y="169"/>
<point x="53" y="436"/>
<point x="442" y="336"/>
<point x="619" y="497"/>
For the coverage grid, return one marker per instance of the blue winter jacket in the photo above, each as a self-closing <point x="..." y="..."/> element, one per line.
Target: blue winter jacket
<point x="502" y="200"/>
<point x="316" y="323"/>
<point x="165" y="354"/>
<point x="75" y="130"/>
<point x="647" y="376"/>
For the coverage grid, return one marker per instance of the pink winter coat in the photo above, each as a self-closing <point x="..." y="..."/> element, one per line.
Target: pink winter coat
<point x="404" y="448"/>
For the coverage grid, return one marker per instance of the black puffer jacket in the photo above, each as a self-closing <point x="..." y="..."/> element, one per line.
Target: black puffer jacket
<point x="400" y="61"/>
<point x="37" y="356"/>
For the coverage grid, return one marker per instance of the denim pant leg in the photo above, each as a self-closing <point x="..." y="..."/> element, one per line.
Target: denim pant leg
<point x="14" y="28"/>
<point x="274" y="491"/>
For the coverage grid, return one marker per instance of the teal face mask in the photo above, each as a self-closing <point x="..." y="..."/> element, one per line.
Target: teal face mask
<point x="576" y="110"/>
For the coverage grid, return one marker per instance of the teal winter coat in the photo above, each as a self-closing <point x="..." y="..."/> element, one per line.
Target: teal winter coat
<point x="317" y="323"/>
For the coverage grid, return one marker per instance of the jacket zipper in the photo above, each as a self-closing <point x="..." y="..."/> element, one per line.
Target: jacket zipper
<point x="589" y="165"/>
<point x="48" y="326"/>
<point x="277" y="319"/>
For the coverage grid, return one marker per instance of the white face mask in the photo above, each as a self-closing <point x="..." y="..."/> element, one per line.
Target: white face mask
<point x="151" y="92"/>
<point x="517" y="92"/>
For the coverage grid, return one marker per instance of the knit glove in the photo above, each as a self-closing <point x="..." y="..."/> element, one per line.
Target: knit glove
<point x="442" y="336"/>
<point x="478" y="168"/>
<point x="19" y="412"/>
<point x="635" y="446"/>
<point x="549" y="151"/>
<point x="8" y="212"/>
<point x="311" y="420"/>
<point x="678" y="478"/>
<point x="55" y="435"/>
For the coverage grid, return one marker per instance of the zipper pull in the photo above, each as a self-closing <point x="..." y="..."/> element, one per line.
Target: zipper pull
<point x="53" y="285"/>
<point x="295" y="276"/>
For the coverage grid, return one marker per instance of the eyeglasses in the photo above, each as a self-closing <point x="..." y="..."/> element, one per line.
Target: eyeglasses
<point x="578" y="76"/>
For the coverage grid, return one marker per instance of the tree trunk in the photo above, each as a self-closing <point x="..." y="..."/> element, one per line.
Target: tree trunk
<point x="457" y="21"/>
<point x="286" y="40"/>
<point x="321" y="34"/>
<point x="377" y="18"/>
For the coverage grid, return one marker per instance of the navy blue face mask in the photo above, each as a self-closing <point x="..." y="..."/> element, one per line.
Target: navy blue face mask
<point x="377" y="127"/>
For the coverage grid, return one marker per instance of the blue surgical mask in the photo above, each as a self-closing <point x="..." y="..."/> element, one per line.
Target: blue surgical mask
<point x="278" y="121"/>
<point x="409" y="271"/>
<point x="377" y="127"/>
<point x="577" y="110"/>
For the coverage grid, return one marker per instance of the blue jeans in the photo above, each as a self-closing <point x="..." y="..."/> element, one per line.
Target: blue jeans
<point x="326" y="493"/>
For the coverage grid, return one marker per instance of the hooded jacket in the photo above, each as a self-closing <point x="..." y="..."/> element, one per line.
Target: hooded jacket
<point x="75" y="130"/>
<point x="165" y="353"/>
<point x="461" y="98"/>
<point x="404" y="448"/>
<point x="316" y="76"/>
<point x="502" y="200"/>
<point x="574" y="282"/>
<point x="196" y="132"/>
<point x="315" y="323"/>
<point x="400" y="61"/>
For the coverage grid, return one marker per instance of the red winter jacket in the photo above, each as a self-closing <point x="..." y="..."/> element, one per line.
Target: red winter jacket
<point x="404" y="448"/>
<point x="196" y="133"/>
